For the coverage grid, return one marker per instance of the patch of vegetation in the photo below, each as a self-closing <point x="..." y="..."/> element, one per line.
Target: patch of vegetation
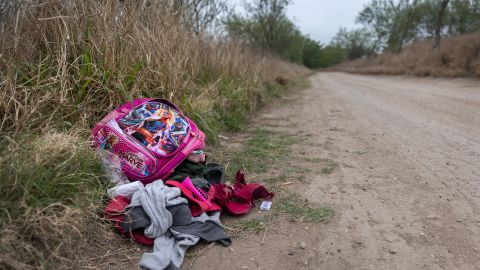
<point x="237" y="225"/>
<point x="297" y="208"/>
<point x="329" y="167"/>
<point x="50" y="190"/>
<point x="53" y="168"/>
<point x="262" y="150"/>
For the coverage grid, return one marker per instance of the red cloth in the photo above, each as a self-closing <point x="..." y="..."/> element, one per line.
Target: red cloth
<point x="115" y="211"/>
<point x="239" y="200"/>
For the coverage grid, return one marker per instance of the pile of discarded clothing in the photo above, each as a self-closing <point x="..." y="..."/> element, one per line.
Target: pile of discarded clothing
<point x="176" y="214"/>
<point x="165" y="193"/>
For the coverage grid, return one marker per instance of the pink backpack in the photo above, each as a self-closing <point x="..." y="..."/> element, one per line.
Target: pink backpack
<point x="151" y="137"/>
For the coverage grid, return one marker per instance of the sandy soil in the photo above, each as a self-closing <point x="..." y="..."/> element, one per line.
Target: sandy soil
<point x="406" y="193"/>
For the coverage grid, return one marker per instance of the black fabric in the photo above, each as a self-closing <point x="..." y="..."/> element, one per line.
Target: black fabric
<point x="188" y="168"/>
<point x="208" y="231"/>
<point x="135" y="218"/>
<point x="215" y="173"/>
<point x="181" y="214"/>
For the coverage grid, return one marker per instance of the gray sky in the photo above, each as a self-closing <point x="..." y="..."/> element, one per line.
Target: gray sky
<point x="320" y="19"/>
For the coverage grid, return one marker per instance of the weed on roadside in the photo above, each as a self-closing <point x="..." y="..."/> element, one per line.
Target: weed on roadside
<point x="262" y="150"/>
<point x="297" y="208"/>
<point x="329" y="167"/>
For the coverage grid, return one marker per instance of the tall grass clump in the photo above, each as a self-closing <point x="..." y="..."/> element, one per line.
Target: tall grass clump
<point x="458" y="56"/>
<point x="66" y="64"/>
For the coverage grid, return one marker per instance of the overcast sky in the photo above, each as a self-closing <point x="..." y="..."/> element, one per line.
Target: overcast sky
<point x="320" y="19"/>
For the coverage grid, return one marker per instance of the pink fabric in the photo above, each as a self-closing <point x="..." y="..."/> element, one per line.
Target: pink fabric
<point x="196" y="206"/>
<point x="140" y="163"/>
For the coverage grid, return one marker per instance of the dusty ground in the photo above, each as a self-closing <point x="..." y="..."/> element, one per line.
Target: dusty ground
<point x="405" y="189"/>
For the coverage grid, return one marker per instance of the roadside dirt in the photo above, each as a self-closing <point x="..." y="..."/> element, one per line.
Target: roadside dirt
<point x="405" y="186"/>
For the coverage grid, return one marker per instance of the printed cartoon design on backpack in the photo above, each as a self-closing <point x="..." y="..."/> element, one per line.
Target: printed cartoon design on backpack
<point x="151" y="137"/>
<point x="157" y="126"/>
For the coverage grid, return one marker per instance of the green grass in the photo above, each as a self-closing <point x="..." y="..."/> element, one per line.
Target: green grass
<point x="295" y="207"/>
<point x="241" y="225"/>
<point x="38" y="172"/>
<point x="329" y="167"/>
<point x="262" y="150"/>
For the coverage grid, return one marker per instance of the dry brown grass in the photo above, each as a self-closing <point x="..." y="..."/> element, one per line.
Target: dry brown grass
<point x="458" y="56"/>
<point x="63" y="66"/>
<point x="76" y="61"/>
<point x="63" y="237"/>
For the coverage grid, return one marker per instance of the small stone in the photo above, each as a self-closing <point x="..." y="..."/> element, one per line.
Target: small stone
<point x="291" y="253"/>
<point x="306" y="228"/>
<point x="232" y="249"/>
<point x="244" y="267"/>
<point x="432" y="217"/>
<point x="475" y="249"/>
<point x="393" y="251"/>
<point x="459" y="220"/>
<point x="422" y="234"/>
<point x="303" y="245"/>
<point x="305" y="262"/>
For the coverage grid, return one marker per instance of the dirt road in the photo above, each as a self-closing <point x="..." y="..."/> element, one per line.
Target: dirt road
<point x="406" y="192"/>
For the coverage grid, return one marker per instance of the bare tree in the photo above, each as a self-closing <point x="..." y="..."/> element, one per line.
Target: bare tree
<point x="200" y="14"/>
<point x="439" y="23"/>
